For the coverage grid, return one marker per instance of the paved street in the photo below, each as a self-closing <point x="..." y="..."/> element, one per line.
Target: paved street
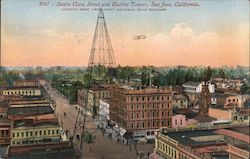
<point x="104" y="147"/>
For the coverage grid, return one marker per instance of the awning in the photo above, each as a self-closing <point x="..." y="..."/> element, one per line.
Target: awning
<point x="122" y="131"/>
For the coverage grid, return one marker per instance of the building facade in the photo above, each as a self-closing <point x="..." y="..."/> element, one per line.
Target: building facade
<point x="196" y="87"/>
<point x="180" y="101"/>
<point x="141" y="111"/>
<point x="90" y="98"/>
<point x="25" y="91"/>
<point x="40" y="129"/>
<point x="5" y="131"/>
<point x="29" y="83"/>
<point x="178" y="121"/>
<point x="104" y="109"/>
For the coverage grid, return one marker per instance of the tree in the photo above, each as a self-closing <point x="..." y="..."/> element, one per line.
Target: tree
<point x="245" y="88"/>
<point x="207" y="74"/>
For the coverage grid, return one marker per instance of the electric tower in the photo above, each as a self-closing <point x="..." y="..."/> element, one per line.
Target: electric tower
<point x="101" y="64"/>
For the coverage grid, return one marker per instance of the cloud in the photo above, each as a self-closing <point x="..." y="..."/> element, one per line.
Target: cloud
<point x="181" y="31"/>
<point x="182" y="45"/>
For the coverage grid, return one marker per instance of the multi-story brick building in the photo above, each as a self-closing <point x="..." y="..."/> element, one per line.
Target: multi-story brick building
<point x="141" y="111"/>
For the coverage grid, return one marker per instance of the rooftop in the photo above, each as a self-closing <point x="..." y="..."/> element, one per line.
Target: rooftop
<point x="196" y="138"/>
<point x="217" y="95"/>
<point x="243" y="130"/>
<point x="27" y="124"/>
<point x="179" y="97"/>
<point x="202" y="118"/>
<point x="190" y="83"/>
<point x="22" y="87"/>
<point x="147" y="90"/>
<point x="234" y="135"/>
<point x="30" y="110"/>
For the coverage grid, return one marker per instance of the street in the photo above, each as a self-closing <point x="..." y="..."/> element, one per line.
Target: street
<point x="103" y="147"/>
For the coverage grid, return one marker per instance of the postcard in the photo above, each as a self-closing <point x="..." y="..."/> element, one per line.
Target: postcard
<point x="124" y="79"/>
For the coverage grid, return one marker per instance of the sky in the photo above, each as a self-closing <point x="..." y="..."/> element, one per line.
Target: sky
<point x="216" y="33"/>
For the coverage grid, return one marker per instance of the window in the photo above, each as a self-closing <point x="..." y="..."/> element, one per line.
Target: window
<point x="36" y="133"/>
<point x="157" y="114"/>
<point x="142" y="114"/>
<point x="132" y="107"/>
<point x="44" y="132"/>
<point x="162" y="98"/>
<point x="175" y="122"/>
<point x="53" y="132"/>
<point x="143" y="124"/>
<point x="131" y="99"/>
<point x="153" y="114"/>
<point x="181" y="121"/>
<point x="153" y="123"/>
<point x="229" y="100"/>
<point x="132" y="125"/>
<point x="2" y="133"/>
<point x="142" y="98"/>
<point x="137" y="98"/>
<point x="7" y="133"/>
<point x="148" y="114"/>
<point x="137" y="125"/>
<point x="57" y="131"/>
<point x="148" y="124"/>
<point x="31" y="133"/>
<point x="148" y="98"/>
<point x="162" y="123"/>
<point x="158" y="123"/>
<point x="22" y="134"/>
<point x="17" y="134"/>
<point x="132" y="115"/>
<point x="27" y="133"/>
<point x="137" y="106"/>
<point x="169" y="123"/>
<point x="162" y="105"/>
<point x="143" y="106"/>
<point x="40" y="132"/>
<point x="48" y="132"/>
<point x="162" y="114"/>
<point x="137" y="115"/>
